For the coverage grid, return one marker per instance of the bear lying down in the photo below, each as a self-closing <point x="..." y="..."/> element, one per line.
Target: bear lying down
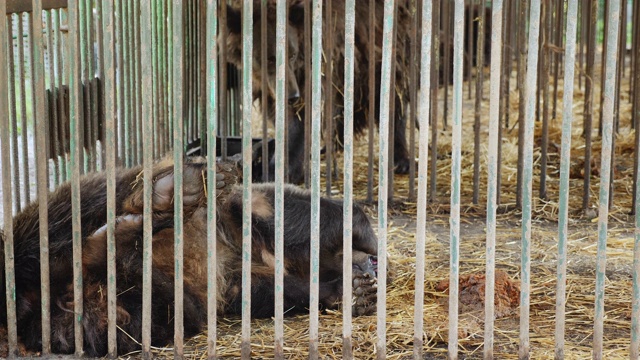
<point x="129" y="240"/>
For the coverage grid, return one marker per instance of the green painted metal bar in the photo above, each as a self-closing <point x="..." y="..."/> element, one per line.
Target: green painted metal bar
<point x="456" y="147"/>
<point x="281" y="111"/>
<point x="127" y="82"/>
<point x="492" y="175"/>
<point x="139" y="34"/>
<point x="605" y="171"/>
<point x="383" y="172"/>
<point x="247" y="100"/>
<point x="75" y="161"/>
<point x="85" y="126"/>
<point x="9" y="269"/>
<point x="121" y="80"/>
<point x="527" y="175"/>
<point x="178" y="151"/>
<point x="145" y="51"/>
<point x="565" y="163"/>
<point x="42" y="171"/>
<point x="347" y="256"/>
<point x="316" y="112"/>
<point x="108" y="59"/>
<point x="421" y="223"/>
<point x="212" y="122"/>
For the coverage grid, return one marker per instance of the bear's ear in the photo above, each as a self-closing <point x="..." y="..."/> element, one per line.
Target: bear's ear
<point x="234" y="20"/>
<point x="296" y="13"/>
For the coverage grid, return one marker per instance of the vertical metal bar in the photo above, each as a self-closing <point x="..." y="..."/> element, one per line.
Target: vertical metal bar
<point x="121" y="86"/>
<point x="605" y="175"/>
<point x="425" y="85"/>
<point x="392" y="105"/>
<point x="545" y="65"/>
<point x="140" y="81"/>
<point x="23" y="112"/>
<point x="413" y="63"/>
<point x="556" y="56"/>
<point x="53" y="106"/>
<point x="128" y="82"/>
<point x="316" y="112"/>
<point x="147" y="47"/>
<point x="328" y="98"/>
<point x="108" y="58"/>
<point x="435" y="84"/>
<point x="75" y="118"/>
<point x="446" y="31"/>
<point x="635" y="309"/>
<point x="13" y="118"/>
<point x="527" y="174"/>
<point x="307" y="92"/>
<point x="635" y="122"/>
<point x="223" y="85"/>
<point x="372" y="95"/>
<point x="212" y="121"/>
<point x="63" y="121"/>
<point x="157" y="125"/>
<point x="492" y="176"/>
<point x="9" y="270"/>
<point x="39" y="116"/>
<point x="470" y="38"/>
<point x="456" y="145"/>
<point x="385" y="98"/>
<point x="589" y="98"/>
<point x="101" y="111"/>
<point x="247" y="99"/>
<point x="522" y="56"/>
<point x="84" y="83"/>
<point x="605" y="44"/>
<point x="583" y="6"/>
<point x="264" y="91"/>
<point x="347" y="255"/>
<point x="281" y="111"/>
<point x="478" y="104"/>
<point x="565" y="162"/>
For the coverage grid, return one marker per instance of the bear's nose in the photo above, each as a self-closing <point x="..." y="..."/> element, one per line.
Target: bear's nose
<point x="294" y="96"/>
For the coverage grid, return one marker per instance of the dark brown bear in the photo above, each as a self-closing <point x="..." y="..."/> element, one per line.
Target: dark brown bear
<point x="129" y="238"/>
<point x="296" y="76"/>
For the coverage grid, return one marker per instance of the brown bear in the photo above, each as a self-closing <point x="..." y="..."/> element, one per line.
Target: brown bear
<point x="296" y="76"/>
<point x="129" y="238"/>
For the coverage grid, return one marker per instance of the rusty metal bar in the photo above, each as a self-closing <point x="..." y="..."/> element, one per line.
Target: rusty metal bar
<point x="247" y="99"/>
<point x="211" y="103"/>
<point x="527" y="175"/>
<point x="23" y="113"/>
<point x="372" y="96"/>
<point x="605" y="175"/>
<point x="178" y="150"/>
<point x="39" y="116"/>
<point x="9" y="270"/>
<point x="146" y="48"/>
<point x="13" y="118"/>
<point x="316" y="112"/>
<point x="492" y="176"/>
<point x="565" y="162"/>
<point x="589" y="99"/>
<point x="328" y="98"/>
<point x="385" y="91"/>
<point x="425" y="84"/>
<point x="456" y="146"/>
<point x="347" y="255"/>
<point x="75" y="119"/>
<point x="281" y="113"/>
<point x="108" y="59"/>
